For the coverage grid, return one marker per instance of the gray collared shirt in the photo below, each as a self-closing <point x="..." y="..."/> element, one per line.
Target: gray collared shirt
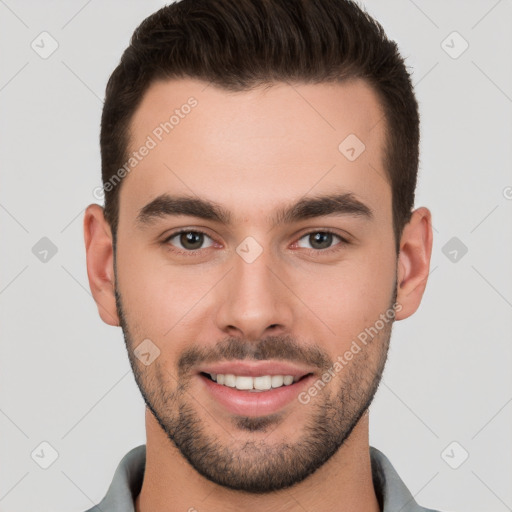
<point x="391" y="491"/>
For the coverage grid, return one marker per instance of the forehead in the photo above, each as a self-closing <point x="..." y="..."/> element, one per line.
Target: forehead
<point x="259" y="149"/>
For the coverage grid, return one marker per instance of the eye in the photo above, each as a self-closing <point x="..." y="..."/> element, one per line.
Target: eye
<point x="321" y="240"/>
<point x="191" y="242"/>
<point x="188" y="240"/>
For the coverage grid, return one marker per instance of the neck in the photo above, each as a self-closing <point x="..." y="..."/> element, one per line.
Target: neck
<point x="344" y="483"/>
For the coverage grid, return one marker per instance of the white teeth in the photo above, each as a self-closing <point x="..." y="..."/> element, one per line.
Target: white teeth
<point x="229" y="380"/>
<point x="277" y="381"/>
<point x="244" y="382"/>
<point x="261" y="383"/>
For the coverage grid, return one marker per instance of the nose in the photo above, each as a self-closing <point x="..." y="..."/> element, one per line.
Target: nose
<point x="255" y="301"/>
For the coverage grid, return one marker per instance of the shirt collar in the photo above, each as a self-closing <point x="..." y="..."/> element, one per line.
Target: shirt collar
<point x="391" y="492"/>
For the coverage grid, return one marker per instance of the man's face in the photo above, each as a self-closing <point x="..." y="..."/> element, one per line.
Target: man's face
<point x="254" y="297"/>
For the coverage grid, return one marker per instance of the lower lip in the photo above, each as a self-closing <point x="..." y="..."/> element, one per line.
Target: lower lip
<point x="253" y="404"/>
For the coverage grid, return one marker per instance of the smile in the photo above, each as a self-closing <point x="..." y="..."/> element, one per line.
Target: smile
<point x="256" y="384"/>
<point x="254" y="395"/>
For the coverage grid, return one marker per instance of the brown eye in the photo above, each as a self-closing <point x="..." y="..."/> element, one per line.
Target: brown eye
<point x="320" y="240"/>
<point x="189" y="240"/>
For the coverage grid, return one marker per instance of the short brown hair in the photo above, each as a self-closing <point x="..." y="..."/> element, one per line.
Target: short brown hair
<point x="241" y="44"/>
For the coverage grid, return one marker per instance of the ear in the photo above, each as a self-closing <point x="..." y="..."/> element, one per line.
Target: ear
<point x="100" y="263"/>
<point x="414" y="262"/>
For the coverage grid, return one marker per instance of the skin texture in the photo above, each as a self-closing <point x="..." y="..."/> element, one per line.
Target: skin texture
<point x="253" y="152"/>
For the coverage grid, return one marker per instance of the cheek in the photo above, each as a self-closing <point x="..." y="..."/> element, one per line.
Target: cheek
<point x="156" y="295"/>
<point x="143" y="292"/>
<point x="350" y="298"/>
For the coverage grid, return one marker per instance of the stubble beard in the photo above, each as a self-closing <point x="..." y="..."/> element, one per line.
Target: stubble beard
<point x="258" y="466"/>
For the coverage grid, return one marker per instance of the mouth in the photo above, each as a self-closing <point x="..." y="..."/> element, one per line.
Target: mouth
<point x="256" y="384"/>
<point x="253" y="390"/>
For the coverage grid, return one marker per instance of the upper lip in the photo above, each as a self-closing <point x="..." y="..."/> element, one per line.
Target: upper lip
<point x="255" y="369"/>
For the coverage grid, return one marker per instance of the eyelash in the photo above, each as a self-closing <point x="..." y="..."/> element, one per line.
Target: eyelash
<point x="343" y="242"/>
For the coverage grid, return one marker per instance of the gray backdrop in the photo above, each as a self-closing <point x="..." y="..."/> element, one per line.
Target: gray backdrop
<point x="443" y="413"/>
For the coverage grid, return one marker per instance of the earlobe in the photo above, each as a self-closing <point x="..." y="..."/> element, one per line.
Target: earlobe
<point x="100" y="263"/>
<point x="414" y="262"/>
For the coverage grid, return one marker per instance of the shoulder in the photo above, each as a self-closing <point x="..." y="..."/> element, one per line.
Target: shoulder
<point x="390" y="489"/>
<point x="126" y="483"/>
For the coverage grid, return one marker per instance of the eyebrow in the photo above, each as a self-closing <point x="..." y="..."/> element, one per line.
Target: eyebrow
<point x="167" y="205"/>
